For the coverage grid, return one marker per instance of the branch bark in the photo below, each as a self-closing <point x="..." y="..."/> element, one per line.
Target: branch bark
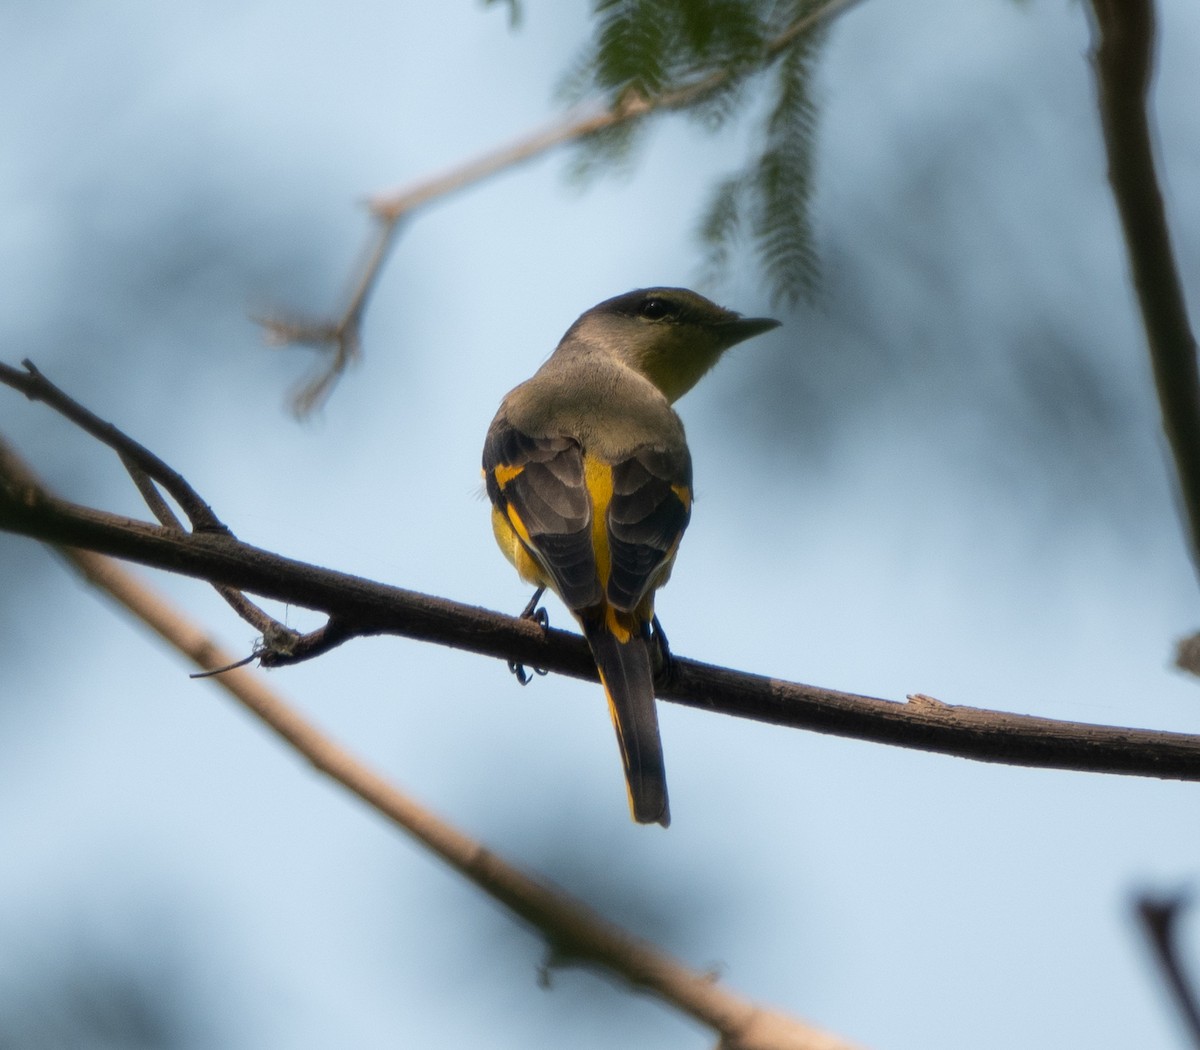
<point x="362" y="607"/>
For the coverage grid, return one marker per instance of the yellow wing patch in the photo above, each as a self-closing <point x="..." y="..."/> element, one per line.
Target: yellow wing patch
<point x="503" y="473"/>
<point x="518" y="526"/>
<point x="508" y="539"/>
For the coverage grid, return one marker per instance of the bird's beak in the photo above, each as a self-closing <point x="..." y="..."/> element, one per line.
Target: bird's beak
<point x="742" y="328"/>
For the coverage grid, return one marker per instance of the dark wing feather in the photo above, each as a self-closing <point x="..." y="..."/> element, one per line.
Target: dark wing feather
<point x="650" y="508"/>
<point x="542" y="480"/>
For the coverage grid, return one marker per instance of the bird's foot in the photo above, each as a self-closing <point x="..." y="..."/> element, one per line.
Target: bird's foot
<point x="538" y="615"/>
<point x="665" y="669"/>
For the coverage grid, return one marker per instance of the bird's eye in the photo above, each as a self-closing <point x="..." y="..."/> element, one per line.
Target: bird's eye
<point x="654" y="309"/>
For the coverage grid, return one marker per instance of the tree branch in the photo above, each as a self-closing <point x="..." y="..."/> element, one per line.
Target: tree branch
<point x="146" y="469"/>
<point x="1159" y="917"/>
<point x="1123" y="55"/>
<point x="359" y="607"/>
<point x="575" y="934"/>
<point x="136" y="458"/>
<point x="342" y="336"/>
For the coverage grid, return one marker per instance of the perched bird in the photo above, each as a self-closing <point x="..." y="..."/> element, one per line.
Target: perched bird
<point x="590" y="481"/>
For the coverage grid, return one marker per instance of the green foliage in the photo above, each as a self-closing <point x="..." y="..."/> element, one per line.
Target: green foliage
<point x="783" y="179"/>
<point x="610" y="149"/>
<point x="714" y="59"/>
<point x="632" y="48"/>
<point x="653" y="46"/>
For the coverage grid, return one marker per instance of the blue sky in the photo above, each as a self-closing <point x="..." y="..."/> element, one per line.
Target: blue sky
<point x="943" y="476"/>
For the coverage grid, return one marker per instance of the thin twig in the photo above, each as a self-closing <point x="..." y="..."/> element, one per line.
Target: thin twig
<point x="361" y="607"/>
<point x="159" y="507"/>
<point x="590" y="121"/>
<point x="343" y="334"/>
<point x="37" y="387"/>
<point x="145" y="468"/>
<point x="258" y="618"/>
<point x="1159" y="917"/>
<point x="575" y="934"/>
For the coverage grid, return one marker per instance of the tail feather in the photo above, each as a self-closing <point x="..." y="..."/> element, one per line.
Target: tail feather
<point x="628" y="678"/>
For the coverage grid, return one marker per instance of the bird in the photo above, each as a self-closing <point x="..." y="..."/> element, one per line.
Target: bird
<point x="589" y="476"/>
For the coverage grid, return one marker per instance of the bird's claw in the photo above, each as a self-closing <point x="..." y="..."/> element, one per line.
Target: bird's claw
<point x="538" y="615"/>
<point x="522" y="676"/>
<point x="666" y="662"/>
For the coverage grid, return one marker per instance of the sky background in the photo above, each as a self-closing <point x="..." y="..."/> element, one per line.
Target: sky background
<point x="944" y="475"/>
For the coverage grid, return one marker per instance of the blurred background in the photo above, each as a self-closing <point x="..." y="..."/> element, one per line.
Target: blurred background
<point x="942" y="475"/>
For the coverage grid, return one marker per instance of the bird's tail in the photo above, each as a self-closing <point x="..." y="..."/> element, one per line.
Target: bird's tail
<point x="623" y="658"/>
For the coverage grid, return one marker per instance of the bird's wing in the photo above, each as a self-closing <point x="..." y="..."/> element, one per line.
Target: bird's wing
<point x="537" y="485"/>
<point x="555" y="497"/>
<point x="650" y="507"/>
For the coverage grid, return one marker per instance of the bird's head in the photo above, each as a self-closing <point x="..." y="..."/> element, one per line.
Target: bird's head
<point x="672" y="336"/>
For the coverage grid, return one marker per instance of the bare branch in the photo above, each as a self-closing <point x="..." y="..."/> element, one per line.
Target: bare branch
<point x="1123" y="59"/>
<point x="1159" y="917"/>
<point x="37" y="387"/>
<point x="342" y="336"/>
<point x="145" y="469"/>
<point x="161" y="509"/>
<point x="359" y="607"/>
<point x="575" y="933"/>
